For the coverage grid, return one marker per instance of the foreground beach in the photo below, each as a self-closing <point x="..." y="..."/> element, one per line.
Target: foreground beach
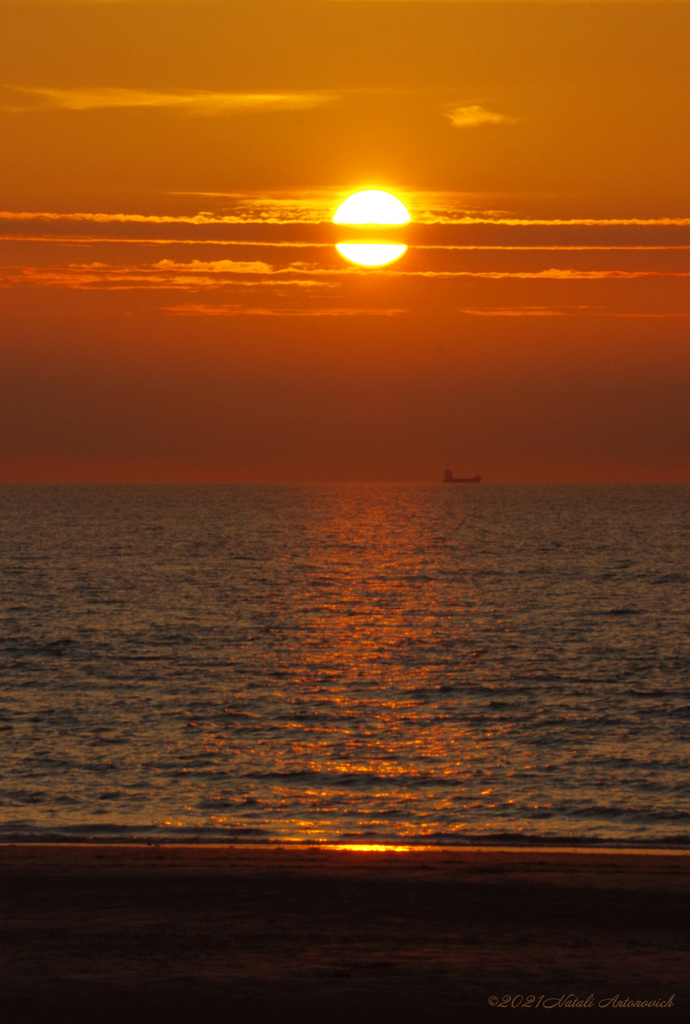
<point x="191" y="933"/>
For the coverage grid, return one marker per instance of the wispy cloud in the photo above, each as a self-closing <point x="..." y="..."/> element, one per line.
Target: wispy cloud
<point x="569" y="311"/>
<point x="553" y="273"/>
<point x="560" y="222"/>
<point x="474" y="115"/>
<point x="293" y="217"/>
<point x="230" y="309"/>
<point x="516" y="311"/>
<point x="244" y="243"/>
<point x="215" y="275"/>
<point x="203" y="218"/>
<point x="551" y="248"/>
<point x="198" y="275"/>
<point x="217" y="266"/>
<point x="193" y="102"/>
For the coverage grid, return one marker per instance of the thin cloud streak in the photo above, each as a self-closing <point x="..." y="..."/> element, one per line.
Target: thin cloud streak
<point x="548" y="248"/>
<point x="164" y="275"/>
<point x="209" y="219"/>
<point x="474" y="115"/>
<point x="91" y="240"/>
<point x="199" y="309"/>
<point x="217" y="266"/>
<point x="194" y="102"/>
<point x="210" y="277"/>
<point x="206" y="218"/>
<point x="114" y="240"/>
<point x="553" y="273"/>
<point x="592" y="222"/>
<point x="569" y="311"/>
<point x="520" y="311"/>
<point x="197" y="219"/>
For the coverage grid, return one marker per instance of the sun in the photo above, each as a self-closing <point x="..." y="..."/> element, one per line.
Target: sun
<point x="370" y="254"/>
<point x="371" y="208"/>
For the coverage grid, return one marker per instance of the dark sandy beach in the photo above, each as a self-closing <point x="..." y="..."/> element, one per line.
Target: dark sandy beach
<point x="168" y="933"/>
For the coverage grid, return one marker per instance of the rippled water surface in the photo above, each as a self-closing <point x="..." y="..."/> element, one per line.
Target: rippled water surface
<point x="346" y="663"/>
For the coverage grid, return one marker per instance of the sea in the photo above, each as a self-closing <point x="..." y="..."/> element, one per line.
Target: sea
<point x="353" y="664"/>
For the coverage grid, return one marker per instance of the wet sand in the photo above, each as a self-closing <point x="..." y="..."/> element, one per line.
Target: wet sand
<point x="191" y="933"/>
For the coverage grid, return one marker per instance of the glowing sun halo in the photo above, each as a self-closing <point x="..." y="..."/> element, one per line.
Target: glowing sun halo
<point x="371" y="207"/>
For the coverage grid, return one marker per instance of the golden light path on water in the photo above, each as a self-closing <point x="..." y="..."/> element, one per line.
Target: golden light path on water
<point x="374" y="208"/>
<point x="373" y="848"/>
<point x="352" y="665"/>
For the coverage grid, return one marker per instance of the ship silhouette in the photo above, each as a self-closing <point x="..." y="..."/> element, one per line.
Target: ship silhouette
<point x="448" y="478"/>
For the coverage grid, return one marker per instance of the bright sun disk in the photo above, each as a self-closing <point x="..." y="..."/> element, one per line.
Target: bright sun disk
<point x="371" y="207"/>
<point x="370" y="254"/>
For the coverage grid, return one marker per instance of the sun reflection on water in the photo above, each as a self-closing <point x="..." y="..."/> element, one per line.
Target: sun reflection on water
<point x="372" y="847"/>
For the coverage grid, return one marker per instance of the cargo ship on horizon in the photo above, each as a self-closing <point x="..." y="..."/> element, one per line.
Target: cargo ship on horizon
<point x="448" y="478"/>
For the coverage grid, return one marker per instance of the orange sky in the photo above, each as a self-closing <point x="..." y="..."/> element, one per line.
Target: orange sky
<point x="172" y="306"/>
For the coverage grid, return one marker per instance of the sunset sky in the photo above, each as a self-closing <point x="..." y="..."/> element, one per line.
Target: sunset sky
<point x="172" y="305"/>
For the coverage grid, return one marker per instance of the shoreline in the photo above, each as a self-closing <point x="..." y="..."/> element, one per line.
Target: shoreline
<point x="399" y="845"/>
<point x="398" y="848"/>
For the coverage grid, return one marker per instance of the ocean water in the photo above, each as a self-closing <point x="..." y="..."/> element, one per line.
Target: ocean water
<point x="346" y="663"/>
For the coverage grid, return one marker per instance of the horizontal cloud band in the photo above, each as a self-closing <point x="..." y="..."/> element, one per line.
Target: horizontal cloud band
<point x="195" y="102"/>
<point x="207" y="219"/>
